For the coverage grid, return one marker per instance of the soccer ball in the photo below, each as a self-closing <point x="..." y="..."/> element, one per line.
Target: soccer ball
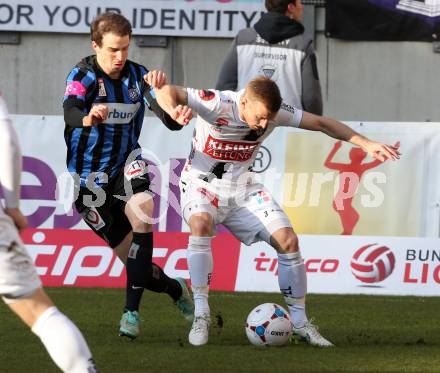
<point x="268" y="325"/>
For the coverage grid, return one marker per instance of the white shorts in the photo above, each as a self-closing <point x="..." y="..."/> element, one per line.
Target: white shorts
<point x="248" y="211"/>
<point x="18" y="276"/>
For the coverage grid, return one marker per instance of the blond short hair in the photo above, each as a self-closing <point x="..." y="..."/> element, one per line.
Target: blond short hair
<point x="266" y="91"/>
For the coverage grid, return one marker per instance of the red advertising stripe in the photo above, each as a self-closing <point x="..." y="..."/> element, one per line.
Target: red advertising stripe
<point x="65" y="257"/>
<point x="80" y="258"/>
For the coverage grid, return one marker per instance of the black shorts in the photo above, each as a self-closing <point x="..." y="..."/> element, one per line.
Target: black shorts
<point x="104" y="212"/>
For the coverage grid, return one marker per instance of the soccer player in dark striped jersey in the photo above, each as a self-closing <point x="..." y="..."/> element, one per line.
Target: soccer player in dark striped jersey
<point x="104" y="106"/>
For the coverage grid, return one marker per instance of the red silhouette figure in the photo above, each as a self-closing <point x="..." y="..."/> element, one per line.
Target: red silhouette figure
<point x="349" y="177"/>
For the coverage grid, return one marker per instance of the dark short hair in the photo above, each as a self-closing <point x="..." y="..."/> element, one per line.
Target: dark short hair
<point x="278" y="6"/>
<point x="264" y="90"/>
<point x="109" y="22"/>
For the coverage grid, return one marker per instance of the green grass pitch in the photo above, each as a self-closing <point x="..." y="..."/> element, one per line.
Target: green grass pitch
<point x="371" y="334"/>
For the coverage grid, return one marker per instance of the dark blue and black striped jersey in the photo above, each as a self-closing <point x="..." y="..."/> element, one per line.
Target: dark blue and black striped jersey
<point x="104" y="148"/>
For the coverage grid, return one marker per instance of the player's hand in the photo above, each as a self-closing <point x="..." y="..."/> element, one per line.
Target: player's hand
<point x="97" y="115"/>
<point x="17" y="217"/>
<point x="155" y="78"/>
<point x="382" y="152"/>
<point x="182" y="114"/>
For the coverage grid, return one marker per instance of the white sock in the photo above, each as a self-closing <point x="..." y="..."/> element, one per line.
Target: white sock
<point x="200" y="266"/>
<point x="64" y="342"/>
<point x="293" y="284"/>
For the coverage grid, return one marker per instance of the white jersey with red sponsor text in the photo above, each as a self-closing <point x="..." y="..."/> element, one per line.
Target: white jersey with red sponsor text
<point x="223" y="146"/>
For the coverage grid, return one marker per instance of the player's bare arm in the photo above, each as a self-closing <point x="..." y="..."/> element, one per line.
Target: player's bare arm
<point x="340" y="131"/>
<point x="156" y="78"/>
<point x="174" y="100"/>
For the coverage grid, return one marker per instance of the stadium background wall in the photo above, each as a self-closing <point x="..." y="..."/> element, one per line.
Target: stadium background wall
<point x="384" y="255"/>
<point x="371" y="81"/>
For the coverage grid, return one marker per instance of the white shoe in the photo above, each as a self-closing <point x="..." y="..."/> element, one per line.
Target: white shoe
<point x="199" y="333"/>
<point x="309" y="333"/>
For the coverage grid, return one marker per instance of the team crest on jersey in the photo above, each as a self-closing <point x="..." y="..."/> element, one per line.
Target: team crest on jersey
<point x="206" y="94"/>
<point x="133" y="94"/>
<point x="221" y="122"/>
<point x="101" y="91"/>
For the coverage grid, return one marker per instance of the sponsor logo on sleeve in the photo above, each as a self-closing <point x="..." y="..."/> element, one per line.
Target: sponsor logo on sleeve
<point x="206" y="94"/>
<point x="75" y="89"/>
<point x="288" y="107"/>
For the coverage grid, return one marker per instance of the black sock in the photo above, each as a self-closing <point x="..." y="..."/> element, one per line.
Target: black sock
<point x="143" y="273"/>
<point x="161" y="283"/>
<point x="136" y="258"/>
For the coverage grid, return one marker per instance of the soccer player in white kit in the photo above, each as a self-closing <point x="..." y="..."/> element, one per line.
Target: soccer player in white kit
<point x="217" y="186"/>
<point x="20" y="286"/>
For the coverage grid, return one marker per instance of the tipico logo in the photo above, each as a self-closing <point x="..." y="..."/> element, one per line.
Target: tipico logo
<point x="373" y="263"/>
